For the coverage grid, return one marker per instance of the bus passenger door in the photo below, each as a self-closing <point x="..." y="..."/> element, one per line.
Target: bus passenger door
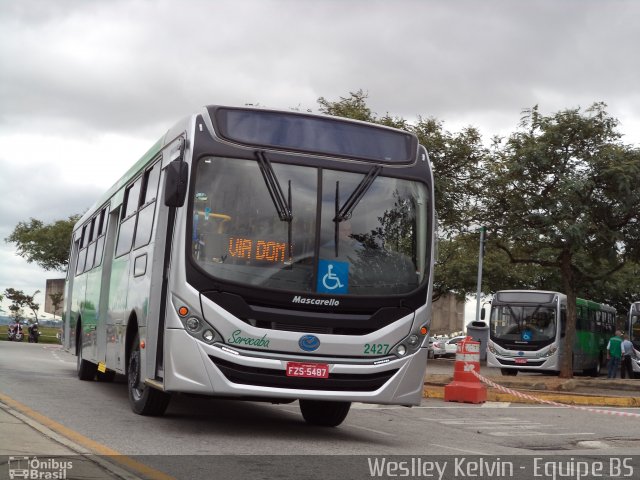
<point x="118" y="291"/>
<point x="111" y="221"/>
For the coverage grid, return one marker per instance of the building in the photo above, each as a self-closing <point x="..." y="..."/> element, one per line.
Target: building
<point x="55" y="285"/>
<point x="447" y="315"/>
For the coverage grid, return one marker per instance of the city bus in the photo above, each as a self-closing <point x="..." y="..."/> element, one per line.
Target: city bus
<point x="633" y="329"/>
<point x="527" y="329"/>
<point x="260" y="255"/>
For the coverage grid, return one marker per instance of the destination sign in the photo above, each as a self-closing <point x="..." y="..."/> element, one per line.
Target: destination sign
<point x="260" y="250"/>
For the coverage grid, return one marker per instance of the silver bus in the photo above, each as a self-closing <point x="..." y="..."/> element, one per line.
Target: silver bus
<point x="633" y="329"/>
<point x="260" y="254"/>
<point x="527" y="329"/>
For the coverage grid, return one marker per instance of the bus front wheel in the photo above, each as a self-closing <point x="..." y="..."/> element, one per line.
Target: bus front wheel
<point x="324" y="413"/>
<point x="144" y="400"/>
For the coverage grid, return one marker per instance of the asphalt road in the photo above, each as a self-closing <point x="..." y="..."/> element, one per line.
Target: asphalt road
<point x="42" y="377"/>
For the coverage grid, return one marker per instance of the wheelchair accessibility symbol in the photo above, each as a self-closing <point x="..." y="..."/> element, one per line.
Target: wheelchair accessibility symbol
<point x="333" y="277"/>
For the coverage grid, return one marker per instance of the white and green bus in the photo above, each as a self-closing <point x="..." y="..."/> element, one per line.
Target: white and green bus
<point x="527" y="329"/>
<point x="260" y="254"/>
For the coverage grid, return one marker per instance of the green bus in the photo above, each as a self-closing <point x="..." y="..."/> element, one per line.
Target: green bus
<point x="527" y="329"/>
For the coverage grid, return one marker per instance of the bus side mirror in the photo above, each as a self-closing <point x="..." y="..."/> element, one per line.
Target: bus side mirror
<point x="175" y="184"/>
<point x="482" y="313"/>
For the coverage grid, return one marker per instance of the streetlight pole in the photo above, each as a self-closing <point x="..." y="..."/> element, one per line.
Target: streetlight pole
<point x="480" y="258"/>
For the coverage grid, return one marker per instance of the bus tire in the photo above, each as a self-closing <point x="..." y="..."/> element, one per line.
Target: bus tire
<point x="86" y="370"/>
<point x="507" y="372"/>
<point x="324" y="413"/>
<point x="143" y="399"/>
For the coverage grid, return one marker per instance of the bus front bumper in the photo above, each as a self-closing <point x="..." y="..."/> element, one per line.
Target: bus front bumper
<point x="195" y="367"/>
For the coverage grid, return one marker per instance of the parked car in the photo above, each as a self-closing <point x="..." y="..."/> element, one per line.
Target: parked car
<point x="451" y="345"/>
<point x="437" y="347"/>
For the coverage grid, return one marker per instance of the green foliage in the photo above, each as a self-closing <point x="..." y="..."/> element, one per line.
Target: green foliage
<point x="56" y="301"/>
<point x="19" y="300"/>
<point x="354" y="106"/>
<point x="45" y="244"/>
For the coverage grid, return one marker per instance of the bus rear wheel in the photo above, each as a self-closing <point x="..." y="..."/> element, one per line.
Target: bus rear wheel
<point x="324" y="413"/>
<point x="143" y="399"/>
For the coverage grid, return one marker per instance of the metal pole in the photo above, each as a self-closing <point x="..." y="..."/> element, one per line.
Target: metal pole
<point x="480" y="257"/>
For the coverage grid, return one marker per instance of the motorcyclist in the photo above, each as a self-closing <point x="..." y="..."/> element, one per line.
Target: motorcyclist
<point x="34" y="333"/>
<point x="15" y="332"/>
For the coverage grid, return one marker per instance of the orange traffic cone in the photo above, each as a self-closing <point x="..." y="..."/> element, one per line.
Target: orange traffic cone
<point x="466" y="387"/>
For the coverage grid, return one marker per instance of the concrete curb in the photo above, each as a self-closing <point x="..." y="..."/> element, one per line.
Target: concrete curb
<point x="437" y="391"/>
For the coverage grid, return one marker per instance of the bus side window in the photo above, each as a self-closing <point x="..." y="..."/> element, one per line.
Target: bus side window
<point x="127" y="225"/>
<point x="102" y="230"/>
<point x="563" y="322"/>
<point x="147" y="210"/>
<point x="82" y="254"/>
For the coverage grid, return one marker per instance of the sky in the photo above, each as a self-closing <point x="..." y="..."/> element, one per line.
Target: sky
<point x="87" y="86"/>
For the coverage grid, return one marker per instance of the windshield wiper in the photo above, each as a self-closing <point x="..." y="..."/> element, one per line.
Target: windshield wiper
<point x="282" y="204"/>
<point x="345" y="212"/>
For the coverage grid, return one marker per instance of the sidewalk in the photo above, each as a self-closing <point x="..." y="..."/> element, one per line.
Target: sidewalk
<point x="586" y="391"/>
<point x="27" y="446"/>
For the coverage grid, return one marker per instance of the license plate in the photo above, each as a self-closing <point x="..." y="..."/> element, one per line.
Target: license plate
<point x="521" y="360"/>
<point x="307" y="370"/>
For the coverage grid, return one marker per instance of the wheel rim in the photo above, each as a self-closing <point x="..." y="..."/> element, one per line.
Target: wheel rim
<point x="134" y="375"/>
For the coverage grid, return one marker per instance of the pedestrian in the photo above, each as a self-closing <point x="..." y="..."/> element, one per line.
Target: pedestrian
<point x="628" y="353"/>
<point x="614" y="354"/>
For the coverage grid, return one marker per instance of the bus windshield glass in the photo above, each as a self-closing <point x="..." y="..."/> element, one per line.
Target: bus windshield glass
<point x="531" y="323"/>
<point x="237" y="234"/>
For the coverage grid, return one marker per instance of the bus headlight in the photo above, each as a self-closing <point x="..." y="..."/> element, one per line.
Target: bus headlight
<point x="193" y="324"/>
<point x="411" y="343"/>
<point x="552" y="349"/>
<point x="208" y="336"/>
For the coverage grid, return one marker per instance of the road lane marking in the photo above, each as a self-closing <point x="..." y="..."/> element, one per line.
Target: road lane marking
<point x="379" y="432"/>
<point x="447" y="447"/>
<point x="38" y="420"/>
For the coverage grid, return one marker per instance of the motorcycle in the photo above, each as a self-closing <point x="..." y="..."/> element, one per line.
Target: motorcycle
<point x="34" y="333"/>
<point x="14" y="333"/>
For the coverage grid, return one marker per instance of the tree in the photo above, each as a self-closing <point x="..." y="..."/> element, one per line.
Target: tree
<point x="561" y="194"/>
<point x="354" y="106"/>
<point x="45" y="244"/>
<point x="19" y="300"/>
<point x="56" y="301"/>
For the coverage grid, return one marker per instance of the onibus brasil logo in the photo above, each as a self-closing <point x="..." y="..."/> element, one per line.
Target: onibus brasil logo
<point x="36" y="469"/>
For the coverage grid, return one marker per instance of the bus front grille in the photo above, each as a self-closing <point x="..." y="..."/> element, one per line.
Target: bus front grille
<point x="530" y="363"/>
<point x="266" y="377"/>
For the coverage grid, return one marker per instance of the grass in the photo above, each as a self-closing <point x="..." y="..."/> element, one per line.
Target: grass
<point x="47" y="334"/>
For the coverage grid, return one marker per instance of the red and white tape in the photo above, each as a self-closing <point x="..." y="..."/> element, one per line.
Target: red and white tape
<point x="550" y="402"/>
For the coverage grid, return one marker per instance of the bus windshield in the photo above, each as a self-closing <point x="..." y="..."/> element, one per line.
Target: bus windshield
<point x="237" y="234"/>
<point x="531" y="323"/>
